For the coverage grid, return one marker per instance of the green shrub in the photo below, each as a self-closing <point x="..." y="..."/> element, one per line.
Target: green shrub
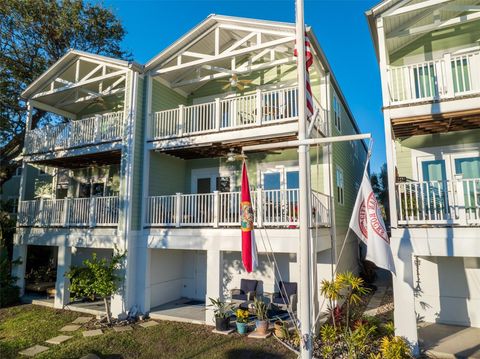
<point x="9" y="295"/>
<point x="395" y="348"/>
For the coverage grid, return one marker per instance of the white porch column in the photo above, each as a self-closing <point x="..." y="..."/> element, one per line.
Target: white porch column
<point x="18" y="271"/>
<point x="62" y="292"/>
<point x="214" y="281"/>
<point x="143" y="279"/>
<point x="403" y="284"/>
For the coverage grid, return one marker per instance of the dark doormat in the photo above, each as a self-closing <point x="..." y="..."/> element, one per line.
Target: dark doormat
<point x="192" y="302"/>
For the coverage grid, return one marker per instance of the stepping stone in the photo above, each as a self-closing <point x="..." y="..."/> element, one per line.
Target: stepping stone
<point x="90" y="356"/>
<point x="58" y="340"/>
<point x="70" y="328"/>
<point x="255" y="335"/>
<point x="224" y="332"/>
<point x="123" y="328"/>
<point x="150" y="323"/>
<point x="82" y="320"/>
<point x="32" y="351"/>
<point x="92" y="333"/>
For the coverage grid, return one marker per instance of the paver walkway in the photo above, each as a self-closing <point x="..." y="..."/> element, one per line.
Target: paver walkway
<point x="58" y="340"/>
<point x="92" y="333"/>
<point x="70" y="328"/>
<point x="32" y="351"/>
<point x="150" y="323"/>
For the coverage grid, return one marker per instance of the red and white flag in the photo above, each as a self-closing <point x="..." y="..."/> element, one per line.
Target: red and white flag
<point x="367" y="223"/>
<point x="308" y="63"/>
<point x="249" y="249"/>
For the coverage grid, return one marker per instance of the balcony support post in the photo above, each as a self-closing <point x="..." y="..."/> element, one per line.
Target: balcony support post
<point x="92" y="212"/>
<point x="450" y="89"/>
<point x="96" y="129"/>
<point x="218" y="115"/>
<point x="258" y="106"/>
<point x="65" y="212"/>
<point x="178" y="209"/>
<point x="39" y="215"/>
<point x="459" y="198"/>
<point x="181" y="120"/>
<point x="216" y="208"/>
<point x="64" y="260"/>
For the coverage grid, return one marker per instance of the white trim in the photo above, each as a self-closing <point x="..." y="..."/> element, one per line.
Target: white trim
<point x="211" y="172"/>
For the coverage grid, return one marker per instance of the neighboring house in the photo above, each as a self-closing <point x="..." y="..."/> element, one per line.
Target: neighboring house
<point x="149" y="163"/>
<point x="429" y="57"/>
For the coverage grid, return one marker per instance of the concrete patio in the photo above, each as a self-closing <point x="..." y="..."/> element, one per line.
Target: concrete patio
<point x="180" y="310"/>
<point x="93" y="308"/>
<point x="449" y="341"/>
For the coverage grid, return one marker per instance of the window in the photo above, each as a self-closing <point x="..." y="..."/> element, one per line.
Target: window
<point x="340" y="186"/>
<point x="18" y="172"/>
<point x="12" y="205"/>
<point x="337" y="114"/>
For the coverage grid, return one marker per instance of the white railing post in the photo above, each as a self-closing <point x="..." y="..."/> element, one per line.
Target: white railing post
<point x="181" y="119"/>
<point x="39" y="214"/>
<point x="258" y="106"/>
<point x="449" y="88"/>
<point x="218" y="114"/>
<point x="65" y="211"/>
<point x="216" y="208"/>
<point x="259" y="208"/>
<point x="96" y="128"/>
<point x="459" y="198"/>
<point x="178" y="209"/>
<point x="92" y="219"/>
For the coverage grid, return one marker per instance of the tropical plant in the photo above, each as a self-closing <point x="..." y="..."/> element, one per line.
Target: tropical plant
<point x="358" y="341"/>
<point x="389" y="329"/>
<point x="97" y="278"/>
<point x="221" y="309"/>
<point x="355" y="289"/>
<point x="328" y="335"/>
<point x="260" y="309"/>
<point x="331" y="290"/>
<point x="282" y="329"/>
<point x="395" y="348"/>
<point x="242" y="315"/>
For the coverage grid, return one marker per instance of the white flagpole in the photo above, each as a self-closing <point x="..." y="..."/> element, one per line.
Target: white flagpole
<point x="303" y="257"/>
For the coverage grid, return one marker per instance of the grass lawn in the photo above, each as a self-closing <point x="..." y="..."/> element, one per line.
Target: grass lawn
<point x="26" y="325"/>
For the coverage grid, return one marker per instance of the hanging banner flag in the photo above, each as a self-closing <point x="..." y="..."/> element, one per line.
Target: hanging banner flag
<point x="367" y="223"/>
<point x="249" y="249"/>
<point x="308" y="63"/>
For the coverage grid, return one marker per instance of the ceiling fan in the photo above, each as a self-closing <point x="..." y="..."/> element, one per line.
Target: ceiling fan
<point x="233" y="156"/>
<point x="234" y="82"/>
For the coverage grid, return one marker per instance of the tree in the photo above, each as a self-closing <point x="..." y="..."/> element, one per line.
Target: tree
<point x="379" y="183"/>
<point x="34" y="34"/>
<point x="97" y="278"/>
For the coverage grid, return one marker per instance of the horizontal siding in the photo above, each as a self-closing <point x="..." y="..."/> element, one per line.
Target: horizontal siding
<point x="164" y="98"/>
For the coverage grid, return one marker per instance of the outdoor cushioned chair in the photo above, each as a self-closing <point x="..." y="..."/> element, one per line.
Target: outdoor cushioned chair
<point x="247" y="291"/>
<point x="286" y="297"/>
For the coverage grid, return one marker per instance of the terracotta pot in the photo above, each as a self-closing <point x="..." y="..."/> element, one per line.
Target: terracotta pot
<point x="262" y="326"/>
<point x="222" y="324"/>
<point x="279" y="331"/>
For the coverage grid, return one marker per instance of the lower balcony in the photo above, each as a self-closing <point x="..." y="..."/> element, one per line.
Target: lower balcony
<point x="272" y="208"/>
<point x="454" y="202"/>
<point x="69" y="212"/>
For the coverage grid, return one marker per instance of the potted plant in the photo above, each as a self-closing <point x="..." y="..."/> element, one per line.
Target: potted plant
<point x="281" y="329"/>
<point x="222" y="312"/>
<point x="242" y="320"/>
<point x="261" y="313"/>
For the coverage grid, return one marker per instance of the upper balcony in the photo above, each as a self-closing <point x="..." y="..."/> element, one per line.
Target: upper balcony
<point x="95" y="130"/>
<point x="232" y="119"/>
<point x="451" y="76"/>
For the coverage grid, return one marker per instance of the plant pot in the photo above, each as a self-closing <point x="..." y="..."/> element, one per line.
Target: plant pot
<point x="242" y="328"/>
<point x="261" y="326"/>
<point x="222" y="324"/>
<point x="279" y="330"/>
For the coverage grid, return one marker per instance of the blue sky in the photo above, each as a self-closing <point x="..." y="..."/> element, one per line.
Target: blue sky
<point x="340" y="26"/>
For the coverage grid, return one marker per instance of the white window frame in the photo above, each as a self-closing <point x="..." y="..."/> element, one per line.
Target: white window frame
<point x="337" y="114"/>
<point x="212" y="173"/>
<point x="282" y="169"/>
<point x="340" y="189"/>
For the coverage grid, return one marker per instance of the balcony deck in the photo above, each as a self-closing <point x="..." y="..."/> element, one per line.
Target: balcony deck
<point x="99" y="133"/>
<point x="229" y="120"/>
<point x="439" y="203"/>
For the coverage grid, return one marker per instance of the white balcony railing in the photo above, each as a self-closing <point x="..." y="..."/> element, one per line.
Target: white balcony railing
<point x="447" y="77"/>
<point x="222" y="209"/>
<point x="69" y="212"/>
<point x="261" y="108"/>
<point x="439" y="202"/>
<point x="89" y="131"/>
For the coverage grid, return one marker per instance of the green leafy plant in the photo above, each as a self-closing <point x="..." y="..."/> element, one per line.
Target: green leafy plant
<point x="389" y="329"/>
<point x="260" y="309"/>
<point x="355" y="289"/>
<point x="221" y="309"/>
<point x="97" y="278"/>
<point x="331" y="290"/>
<point x="283" y="329"/>
<point x="395" y="348"/>
<point x="357" y="341"/>
<point x="328" y="335"/>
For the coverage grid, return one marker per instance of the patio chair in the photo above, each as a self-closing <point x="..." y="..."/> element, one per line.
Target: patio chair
<point x="247" y="291"/>
<point x="286" y="297"/>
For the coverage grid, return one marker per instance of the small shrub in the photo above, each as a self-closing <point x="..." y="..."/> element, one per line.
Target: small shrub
<point x="389" y="329"/>
<point x="9" y="295"/>
<point x="395" y="348"/>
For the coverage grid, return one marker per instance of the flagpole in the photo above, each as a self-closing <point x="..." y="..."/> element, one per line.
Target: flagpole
<point x="303" y="257"/>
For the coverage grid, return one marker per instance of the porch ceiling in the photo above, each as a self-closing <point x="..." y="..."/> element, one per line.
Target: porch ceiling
<point x="439" y="123"/>
<point x="94" y="159"/>
<point x="220" y="149"/>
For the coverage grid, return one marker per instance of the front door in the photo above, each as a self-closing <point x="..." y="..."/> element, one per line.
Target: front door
<point x="434" y="189"/>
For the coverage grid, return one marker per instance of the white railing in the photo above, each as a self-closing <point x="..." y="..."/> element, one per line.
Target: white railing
<point x="69" y="212"/>
<point x="93" y="130"/>
<point x="439" y="202"/>
<point x="447" y="77"/>
<point x="260" y="108"/>
<point x="279" y="208"/>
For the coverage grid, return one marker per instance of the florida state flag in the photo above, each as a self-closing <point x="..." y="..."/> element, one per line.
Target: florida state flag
<point x="249" y="249"/>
